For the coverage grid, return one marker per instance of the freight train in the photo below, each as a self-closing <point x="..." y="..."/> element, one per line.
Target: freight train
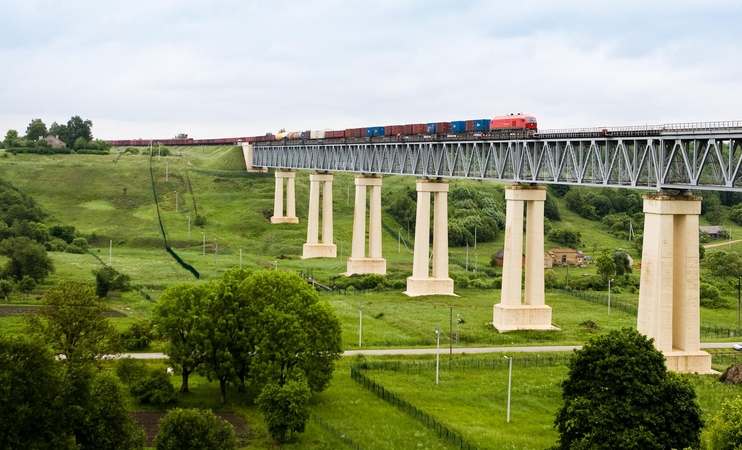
<point x="512" y="126"/>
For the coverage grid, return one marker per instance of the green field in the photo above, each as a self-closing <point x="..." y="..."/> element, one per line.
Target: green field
<point x="111" y="202"/>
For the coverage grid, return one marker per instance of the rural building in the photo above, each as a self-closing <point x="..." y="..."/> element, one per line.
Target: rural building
<point x="499" y="257"/>
<point x="714" y="232"/>
<point x="567" y="256"/>
<point x="54" y="141"/>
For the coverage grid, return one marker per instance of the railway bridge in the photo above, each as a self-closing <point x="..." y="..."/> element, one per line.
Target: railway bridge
<point x="668" y="161"/>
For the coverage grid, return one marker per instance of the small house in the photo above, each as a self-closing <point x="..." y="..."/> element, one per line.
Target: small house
<point x="567" y="257"/>
<point x="714" y="232"/>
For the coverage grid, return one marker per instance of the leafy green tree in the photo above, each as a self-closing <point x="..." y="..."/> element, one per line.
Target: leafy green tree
<point x="550" y="278"/>
<point x="27" y="284"/>
<point x="724" y="263"/>
<point x="713" y="210"/>
<point x="80" y="143"/>
<point x="193" y="429"/>
<point x="32" y="415"/>
<point x="619" y="394"/>
<point x="60" y="131"/>
<point x="138" y="336"/>
<point x="78" y="128"/>
<point x="26" y="257"/>
<point x="711" y="297"/>
<point x="176" y="317"/>
<point x="568" y="237"/>
<point x="297" y="332"/>
<point x="606" y="266"/>
<point x="108" y="425"/>
<point x="72" y="320"/>
<point x="551" y="208"/>
<point x="724" y="430"/>
<point x="6" y="287"/>
<point x="107" y="279"/>
<point x="621" y="260"/>
<point x="284" y="408"/>
<point x="10" y="137"/>
<point x="736" y="214"/>
<point x="36" y="129"/>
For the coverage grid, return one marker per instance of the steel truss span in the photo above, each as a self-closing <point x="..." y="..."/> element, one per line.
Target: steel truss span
<point x="674" y="160"/>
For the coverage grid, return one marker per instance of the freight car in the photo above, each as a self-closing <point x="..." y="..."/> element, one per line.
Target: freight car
<point x="513" y="126"/>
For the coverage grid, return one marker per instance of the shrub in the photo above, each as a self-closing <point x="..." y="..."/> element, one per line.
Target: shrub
<point x="193" y="429"/>
<point x="155" y="388"/>
<point x="138" y="336"/>
<point x="130" y="370"/>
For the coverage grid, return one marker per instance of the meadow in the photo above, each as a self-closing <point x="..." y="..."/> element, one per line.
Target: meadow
<point x="110" y="200"/>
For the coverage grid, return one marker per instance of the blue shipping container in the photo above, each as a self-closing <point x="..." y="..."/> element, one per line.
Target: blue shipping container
<point x="458" y="126"/>
<point x="379" y="131"/>
<point x="430" y="128"/>
<point x="369" y="131"/>
<point x="482" y="125"/>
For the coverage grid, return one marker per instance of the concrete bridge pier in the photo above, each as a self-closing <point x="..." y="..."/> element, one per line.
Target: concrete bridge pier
<point x="358" y="262"/>
<point x="532" y="313"/>
<point x="247" y="152"/>
<point x="290" y="216"/>
<point x="420" y="283"/>
<point x="313" y="248"/>
<point x="669" y="300"/>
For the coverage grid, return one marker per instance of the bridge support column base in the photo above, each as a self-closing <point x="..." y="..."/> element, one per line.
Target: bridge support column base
<point x="366" y="266"/>
<point x="689" y="362"/>
<point x="522" y="317"/>
<point x="275" y="219"/>
<point x="417" y="287"/>
<point x="319" y="251"/>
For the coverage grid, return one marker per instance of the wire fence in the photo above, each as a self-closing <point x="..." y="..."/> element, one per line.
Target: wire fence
<point x="441" y="430"/>
<point x="468" y="364"/>
<point x="602" y="300"/>
<point x="708" y="330"/>
<point x="330" y="429"/>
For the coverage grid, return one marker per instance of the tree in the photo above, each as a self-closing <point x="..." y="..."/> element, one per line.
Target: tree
<point x="724" y="264"/>
<point x="6" y="287"/>
<point x="176" y="317"/>
<point x="36" y="129"/>
<point x="107" y="278"/>
<point x="154" y="388"/>
<point x="605" y="265"/>
<point x="10" y="138"/>
<point x="622" y="263"/>
<point x="32" y="416"/>
<point x="73" y="322"/>
<point x="26" y="257"/>
<point x="619" y="394"/>
<point x="60" y="131"/>
<point x="193" y="429"/>
<point x="569" y="237"/>
<point x="108" y="425"/>
<point x="724" y="430"/>
<point x="285" y="408"/>
<point x="78" y="128"/>
<point x="297" y="333"/>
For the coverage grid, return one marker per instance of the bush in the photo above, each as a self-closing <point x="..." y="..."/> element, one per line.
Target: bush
<point x="284" y="408"/>
<point x="138" y="336"/>
<point x="130" y="370"/>
<point x="711" y="297"/>
<point x="200" y="221"/>
<point x="108" y="278"/>
<point x="155" y="389"/>
<point x="193" y="429"/>
<point x="80" y="242"/>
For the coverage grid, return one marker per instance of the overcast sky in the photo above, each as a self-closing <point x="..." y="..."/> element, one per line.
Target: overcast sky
<point x="156" y="68"/>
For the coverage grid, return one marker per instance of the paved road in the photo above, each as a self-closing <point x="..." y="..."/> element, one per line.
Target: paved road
<point x="445" y="350"/>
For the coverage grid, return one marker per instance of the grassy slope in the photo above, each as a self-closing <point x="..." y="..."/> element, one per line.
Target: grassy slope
<point x="88" y="192"/>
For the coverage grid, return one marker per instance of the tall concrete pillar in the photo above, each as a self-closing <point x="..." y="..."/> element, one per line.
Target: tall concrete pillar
<point x="420" y="283"/>
<point x="278" y="216"/>
<point x="358" y="262"/>
<point x="514" y="313"/>
<point x="669" y="300"/>
<point x="314" y="248"/>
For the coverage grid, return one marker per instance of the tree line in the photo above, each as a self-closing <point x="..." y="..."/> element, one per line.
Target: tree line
<point x="76" y="134"/>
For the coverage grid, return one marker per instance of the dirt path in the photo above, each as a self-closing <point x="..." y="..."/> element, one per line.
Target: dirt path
<point x="722" y="243"/>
